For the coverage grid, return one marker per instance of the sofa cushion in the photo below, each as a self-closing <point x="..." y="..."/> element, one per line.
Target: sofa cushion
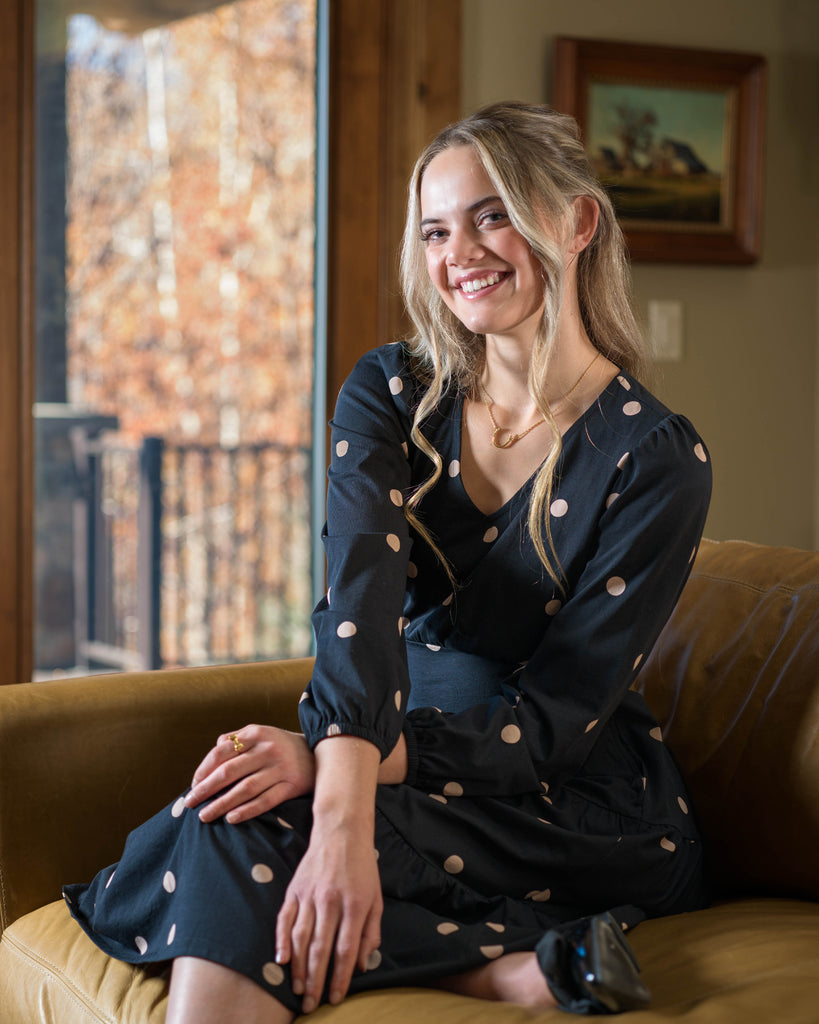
<point x="734" y="682"/>
<point x="752" y="960"/>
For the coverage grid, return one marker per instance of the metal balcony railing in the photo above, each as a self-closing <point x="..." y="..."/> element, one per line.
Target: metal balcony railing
<point x="190" y="554"/>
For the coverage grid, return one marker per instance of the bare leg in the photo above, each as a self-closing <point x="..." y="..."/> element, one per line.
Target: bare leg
<point x="514" y="978"/>
<point x="203" y="992"/>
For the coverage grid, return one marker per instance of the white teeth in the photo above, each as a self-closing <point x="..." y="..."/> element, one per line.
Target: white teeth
<point x="478" y="283"/>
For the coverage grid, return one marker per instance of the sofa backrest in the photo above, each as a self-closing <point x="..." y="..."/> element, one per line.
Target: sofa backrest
<point x="734" y="682"/>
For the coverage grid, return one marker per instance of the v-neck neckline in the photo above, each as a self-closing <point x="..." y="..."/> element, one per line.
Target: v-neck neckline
<point x="565" y="438"/>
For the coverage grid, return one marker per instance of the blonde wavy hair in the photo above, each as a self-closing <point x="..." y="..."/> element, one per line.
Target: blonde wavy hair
<point x="535" y="160"/>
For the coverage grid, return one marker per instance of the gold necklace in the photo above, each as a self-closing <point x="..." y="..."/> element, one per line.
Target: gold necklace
<point x="514" y="438"/>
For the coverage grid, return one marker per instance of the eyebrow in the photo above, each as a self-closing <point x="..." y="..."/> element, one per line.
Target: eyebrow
<point x="470" y="209"/>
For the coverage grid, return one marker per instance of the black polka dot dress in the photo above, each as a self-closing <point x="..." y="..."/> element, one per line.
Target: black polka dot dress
<point x="539" y="788"/>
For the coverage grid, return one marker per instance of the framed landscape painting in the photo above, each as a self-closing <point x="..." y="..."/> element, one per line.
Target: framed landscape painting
<point x="677" y="138"/>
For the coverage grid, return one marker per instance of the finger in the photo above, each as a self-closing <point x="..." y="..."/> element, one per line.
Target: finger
<point x="318" y="957"/>
<point x="370" y="939"/>
<point x="265" y="800"/>
<point x="223" y="751"/>
<point x="348" y="944"/>
<point x="247" y="797"/>
<point x="234" y="793"/>
<point x="220" y="769"/>
<point x="284" y="927"/>
<point x="301" y="935"/>
<point x="212" y="759"/>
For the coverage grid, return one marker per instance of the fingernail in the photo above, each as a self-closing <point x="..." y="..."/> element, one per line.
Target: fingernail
<point x="309" y="1004"/>
<point x="298" y="987"/>
<point x="335" y="996"/>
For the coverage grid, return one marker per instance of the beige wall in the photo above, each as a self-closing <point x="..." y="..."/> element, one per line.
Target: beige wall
<point x="749" y="378"/>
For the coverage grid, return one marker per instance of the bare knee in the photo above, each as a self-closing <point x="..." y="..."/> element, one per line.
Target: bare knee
<point x="204" y="992"/>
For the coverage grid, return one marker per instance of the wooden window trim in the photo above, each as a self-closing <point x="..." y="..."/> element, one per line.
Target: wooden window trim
<point x="394" y="82"/>
<point x="16" y="390"/>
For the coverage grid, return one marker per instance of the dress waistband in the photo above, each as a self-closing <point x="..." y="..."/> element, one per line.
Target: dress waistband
<point x="454" y="680"/>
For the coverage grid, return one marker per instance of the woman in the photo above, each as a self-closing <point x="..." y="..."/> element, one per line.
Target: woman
<point x="511" y="517"/>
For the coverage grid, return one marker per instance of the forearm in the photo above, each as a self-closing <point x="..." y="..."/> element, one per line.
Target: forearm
<point x="347" y="770"/>
<point x="393" y="769"/>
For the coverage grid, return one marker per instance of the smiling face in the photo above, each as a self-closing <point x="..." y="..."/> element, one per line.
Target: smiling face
<point x="480" y="265"/>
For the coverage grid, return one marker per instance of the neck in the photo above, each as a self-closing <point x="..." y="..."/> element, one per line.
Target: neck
<point x="506" y="367"/>
<point x="508" y="357"/>
<point x="506" y="371"/>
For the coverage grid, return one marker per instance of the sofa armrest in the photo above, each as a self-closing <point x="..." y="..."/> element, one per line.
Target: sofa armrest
<point x="83" y="761"/>
<point x="733" y="682"/>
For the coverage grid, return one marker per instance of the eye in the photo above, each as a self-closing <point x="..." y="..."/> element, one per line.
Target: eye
<point x="432" y="235"/>
<point x="493" y="217"/>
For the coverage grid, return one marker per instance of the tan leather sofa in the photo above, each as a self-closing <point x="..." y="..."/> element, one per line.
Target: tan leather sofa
<point x="734" y="681"/>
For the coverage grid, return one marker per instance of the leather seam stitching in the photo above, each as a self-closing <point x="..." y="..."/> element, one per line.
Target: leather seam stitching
<point x="782" y="588"/>
<point x="52" y="972"/>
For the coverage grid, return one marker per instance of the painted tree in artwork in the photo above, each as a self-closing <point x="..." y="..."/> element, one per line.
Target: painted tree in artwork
<point x="635" y="130"/>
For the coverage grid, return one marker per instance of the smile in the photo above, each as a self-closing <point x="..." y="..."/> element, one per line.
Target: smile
<point x="477" y="284"/>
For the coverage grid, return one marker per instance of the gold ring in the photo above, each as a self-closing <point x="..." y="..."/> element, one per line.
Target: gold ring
<point x="237" y="743"/>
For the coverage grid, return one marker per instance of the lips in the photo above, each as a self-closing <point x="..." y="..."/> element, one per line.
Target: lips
<point x="478" y="284"/>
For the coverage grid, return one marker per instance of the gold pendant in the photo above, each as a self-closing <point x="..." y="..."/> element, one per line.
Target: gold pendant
<point x="509" y="440"/>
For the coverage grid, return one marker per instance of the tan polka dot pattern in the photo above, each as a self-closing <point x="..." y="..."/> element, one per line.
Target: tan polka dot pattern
<point x="511" y="734"/>
<point x="616" y="586"/>
<point x="273" y="974"/>
<point x="454" y="864"/>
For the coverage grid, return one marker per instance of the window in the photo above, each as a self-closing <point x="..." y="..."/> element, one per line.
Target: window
<point x="174" y="280"/>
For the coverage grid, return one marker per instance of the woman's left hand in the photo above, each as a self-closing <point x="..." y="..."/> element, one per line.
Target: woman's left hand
<point x="330" y="921"/>
<point x="332" y="910"/>
<point x="270" y="766"/>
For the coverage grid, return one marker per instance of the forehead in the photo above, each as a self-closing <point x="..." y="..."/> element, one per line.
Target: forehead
<point x="453" y="178"/>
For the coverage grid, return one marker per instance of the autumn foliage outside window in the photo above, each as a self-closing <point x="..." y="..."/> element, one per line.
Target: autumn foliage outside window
<point x="189" y="268"/>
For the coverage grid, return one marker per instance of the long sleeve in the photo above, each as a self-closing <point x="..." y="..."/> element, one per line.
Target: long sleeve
<point x="646" y="535"/>
<point x="360" y="681"/>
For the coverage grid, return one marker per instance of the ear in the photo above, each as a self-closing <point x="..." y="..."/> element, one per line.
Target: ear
<point x="586" y="215"/>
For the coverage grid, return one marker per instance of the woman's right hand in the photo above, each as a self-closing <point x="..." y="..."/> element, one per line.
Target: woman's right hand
<point x="271" y="766"/>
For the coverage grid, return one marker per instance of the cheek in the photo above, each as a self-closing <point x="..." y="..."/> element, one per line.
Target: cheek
<point x="436" y="268"/>
<point x="537" y="280"/>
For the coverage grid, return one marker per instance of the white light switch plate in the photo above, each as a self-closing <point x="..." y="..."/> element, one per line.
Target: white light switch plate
<point x="665" y="330"/>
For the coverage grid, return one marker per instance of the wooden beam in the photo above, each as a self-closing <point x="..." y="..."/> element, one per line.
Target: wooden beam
<point x="16" y="447"/>
<point x="394" y="81"/>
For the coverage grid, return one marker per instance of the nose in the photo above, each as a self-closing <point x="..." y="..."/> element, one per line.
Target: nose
<point x="464" y="246"/>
